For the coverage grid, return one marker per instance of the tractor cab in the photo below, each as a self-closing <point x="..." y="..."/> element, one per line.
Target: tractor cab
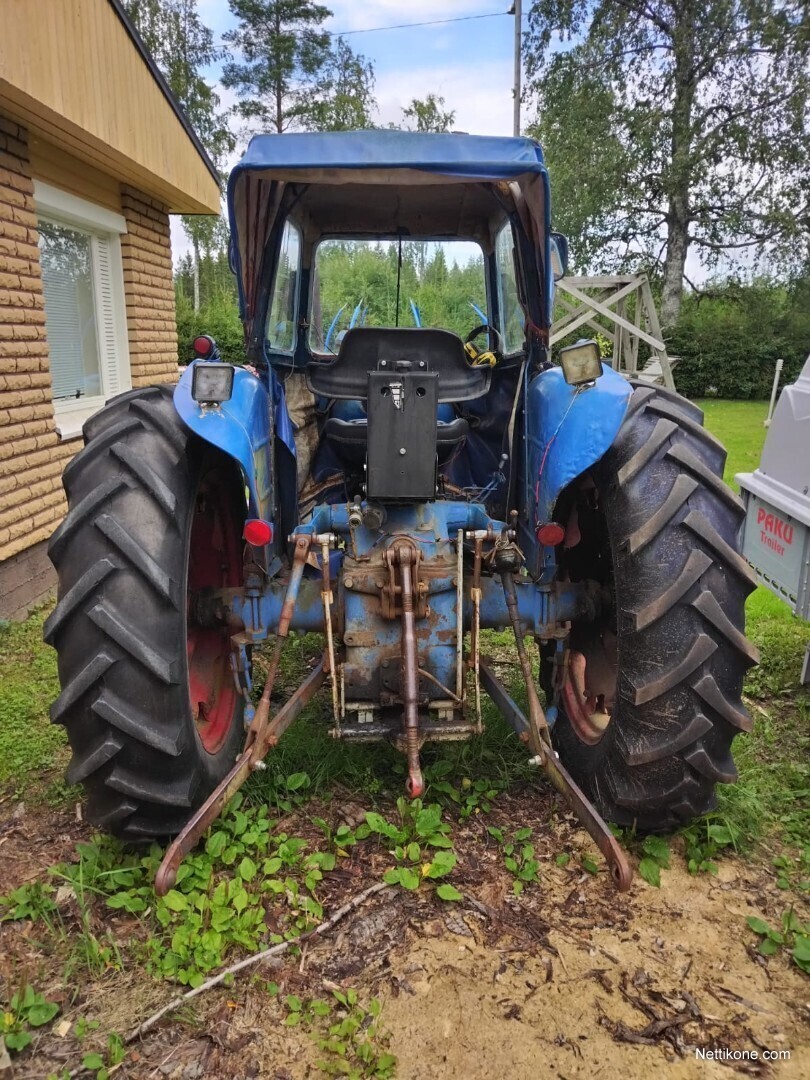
<point x="393" y="288"/>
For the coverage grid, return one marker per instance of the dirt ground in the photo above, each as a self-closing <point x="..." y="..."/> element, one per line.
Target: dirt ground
<point x="570" y="980"/>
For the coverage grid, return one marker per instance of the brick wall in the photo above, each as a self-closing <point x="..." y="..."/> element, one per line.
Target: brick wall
<point x="147" y="257"/>
<point x="31" y="455"/>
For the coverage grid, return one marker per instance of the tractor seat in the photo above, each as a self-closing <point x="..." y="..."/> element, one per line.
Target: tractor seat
<point x="368" y="350"/>
<point x="347" y="429"/>
<point x="373" y="348"/>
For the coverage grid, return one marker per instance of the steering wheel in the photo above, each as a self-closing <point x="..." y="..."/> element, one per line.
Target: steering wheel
<point x="484" y="357"/>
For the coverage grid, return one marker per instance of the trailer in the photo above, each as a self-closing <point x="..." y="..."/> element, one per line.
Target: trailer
<point x="776" y="529"/>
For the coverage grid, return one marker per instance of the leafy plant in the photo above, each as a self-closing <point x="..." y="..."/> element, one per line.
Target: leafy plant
<point x="703" y="840"/>
<point x="103" y="1064"/>
<point x="655" y="857"/>
<point x="793" y="872"/>
<point x="420" y="828"/>
<point x="304" y="1011"/>
<point x="221" y="899"/>
<point x="353" y="1040"/>
<point x="589" y="865"/>
<point x="30" y="901"/>
<point x="518" y="856"/>
<point x="27" y="1009"/>
<point x="794" y="936"/>
<point x="469" y="796"/>
<point x="83" y="1028"/>
<point x="339" y="839"/>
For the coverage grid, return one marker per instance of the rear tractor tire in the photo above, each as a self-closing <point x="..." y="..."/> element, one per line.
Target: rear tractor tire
<point x="148" y="699"/>
<point x="652" y="699"/>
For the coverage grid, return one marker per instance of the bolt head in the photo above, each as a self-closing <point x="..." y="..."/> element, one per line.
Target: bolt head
<point x="348" y="582"/>
<point x="402" y="450"/>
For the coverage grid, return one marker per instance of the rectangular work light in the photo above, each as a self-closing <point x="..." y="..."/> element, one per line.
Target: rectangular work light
<point x="581" y="362"/>
<point x="211" y="384"/>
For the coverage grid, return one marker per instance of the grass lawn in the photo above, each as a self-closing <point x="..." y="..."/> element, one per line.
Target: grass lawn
<point x="739" y="426"/>
<point x="774" y="785"/>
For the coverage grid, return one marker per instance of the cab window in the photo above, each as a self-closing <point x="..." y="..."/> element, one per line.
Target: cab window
<point x="281" y="316"/>
<point x="512" y="318"/>
<point x="383" y="282"/>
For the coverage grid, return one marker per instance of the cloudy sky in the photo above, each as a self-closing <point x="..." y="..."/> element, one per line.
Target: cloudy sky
<point x="469" y="64"/>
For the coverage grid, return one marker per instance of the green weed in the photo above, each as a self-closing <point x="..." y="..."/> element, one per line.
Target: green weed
<point x="794" y="937"/>
<point x="103" y="1064"/>
<point x="420" y="828"/>
<point x="30" y="901"/>
<point x="704" y="840"/>
<point x="27" y="1009"/>
<point x="793" y="871"/>
<point x="220" y="901"/>
<point x="347" y="1032"/>
<point x="518" y="856"/>
<point x="654" y="859"/>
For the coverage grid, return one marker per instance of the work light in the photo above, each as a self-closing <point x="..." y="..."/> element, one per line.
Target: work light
<point x="581" y="362"/>
<point x="212" y="383"/>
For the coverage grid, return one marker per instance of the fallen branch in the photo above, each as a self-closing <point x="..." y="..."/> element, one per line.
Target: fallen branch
<point x="275" y="950"/>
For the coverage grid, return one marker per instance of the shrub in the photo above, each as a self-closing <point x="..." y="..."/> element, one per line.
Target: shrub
<point x="729" y="341"/>
<point x="220" y="319"/>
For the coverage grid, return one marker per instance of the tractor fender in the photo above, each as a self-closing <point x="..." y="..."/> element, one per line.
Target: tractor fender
<point x="568" y="429"/>
<point x="240" y="427"/>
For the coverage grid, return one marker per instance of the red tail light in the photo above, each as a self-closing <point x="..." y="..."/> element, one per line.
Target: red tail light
<point x="257" y="532"/>
<point x="550" y="534"/>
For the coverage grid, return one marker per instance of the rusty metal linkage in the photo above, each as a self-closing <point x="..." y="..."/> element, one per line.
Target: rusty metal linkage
<point x="620" y="869"/>
<point x="475" y="631"/>
<point x="407" y="559"/>
<point x="260" y="737"/>
<point x="327" y="541"/>
<point x="260" y="719"/>
<point x="245" y="764"/>
<point x="508" y="558"/>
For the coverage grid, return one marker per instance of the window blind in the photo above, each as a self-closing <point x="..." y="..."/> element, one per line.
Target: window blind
<point x="64" y="331"/>
<point x="105" y="316"/>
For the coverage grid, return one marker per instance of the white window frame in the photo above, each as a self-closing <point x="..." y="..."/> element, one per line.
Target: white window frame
<point x="105" y="228"/>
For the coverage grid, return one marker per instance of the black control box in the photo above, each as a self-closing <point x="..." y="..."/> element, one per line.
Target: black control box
<point x="401" y="462"/>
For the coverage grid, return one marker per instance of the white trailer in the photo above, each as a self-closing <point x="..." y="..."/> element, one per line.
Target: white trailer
<point x="776" y="530"/>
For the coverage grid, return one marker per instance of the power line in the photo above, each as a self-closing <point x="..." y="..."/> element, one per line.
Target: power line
<point x="397" y="26"/>
<point x="407" y="26"/>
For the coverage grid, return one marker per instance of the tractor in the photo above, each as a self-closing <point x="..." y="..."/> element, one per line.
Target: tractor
<point x="398" y="485"/>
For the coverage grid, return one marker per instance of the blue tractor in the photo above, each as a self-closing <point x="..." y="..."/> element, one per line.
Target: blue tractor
<point x="398" y="491"/>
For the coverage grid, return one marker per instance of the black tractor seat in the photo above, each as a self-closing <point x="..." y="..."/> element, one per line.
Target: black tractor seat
<point x="372" y="348"/>
<point x="411" y="351"/>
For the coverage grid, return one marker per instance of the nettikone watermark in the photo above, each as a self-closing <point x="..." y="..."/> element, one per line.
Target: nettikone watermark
<point x="725" y="1054"/>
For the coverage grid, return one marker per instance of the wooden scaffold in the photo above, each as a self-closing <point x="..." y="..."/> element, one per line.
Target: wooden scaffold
<point x="625" y="302"/>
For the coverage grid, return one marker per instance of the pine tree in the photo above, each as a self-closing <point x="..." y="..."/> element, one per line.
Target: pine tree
<point x="284" y="55"/>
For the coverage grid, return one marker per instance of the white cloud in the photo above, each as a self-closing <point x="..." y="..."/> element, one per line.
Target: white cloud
<point x="481" y="97"/>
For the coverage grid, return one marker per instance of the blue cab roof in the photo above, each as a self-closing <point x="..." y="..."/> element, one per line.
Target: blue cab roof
<point x="484" y="157"/>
